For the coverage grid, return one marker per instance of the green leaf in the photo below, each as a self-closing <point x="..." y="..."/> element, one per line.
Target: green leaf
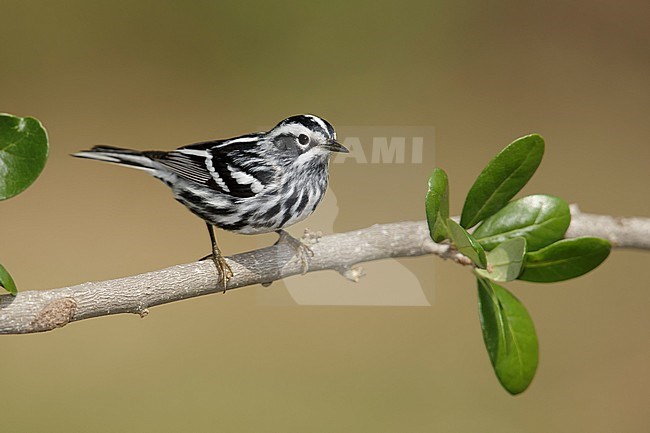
<point x="540" y="219"/>
<point x="23" y="152"/>
<point x="7" y="282"/>
<point x="565" y="259"/>
<point x="505" y="261"/>
<point x="509" y="336"/>
<point x="437" y="205"/>
<point x="466" y="244"/>
<point x="503" y="177"/>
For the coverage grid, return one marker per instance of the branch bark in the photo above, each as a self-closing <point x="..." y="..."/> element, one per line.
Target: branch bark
<point x="38" y="311"/>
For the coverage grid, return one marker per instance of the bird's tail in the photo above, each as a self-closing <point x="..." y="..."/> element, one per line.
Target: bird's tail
<point x="116" y="155"/>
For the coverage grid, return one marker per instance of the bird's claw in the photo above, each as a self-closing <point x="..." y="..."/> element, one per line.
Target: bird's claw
<point x="223" y="269"/>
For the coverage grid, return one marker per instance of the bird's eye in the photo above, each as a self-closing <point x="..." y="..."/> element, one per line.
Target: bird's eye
<point x="303" y="139"/>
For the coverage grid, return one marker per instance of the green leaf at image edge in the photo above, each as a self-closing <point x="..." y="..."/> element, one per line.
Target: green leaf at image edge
<point x="7" y="282"/>
<point x="565" y="259"/>
<point x="503" y="177"/>
<point x="466" y="244"/>
<point x="509" y="336"/>
<point x="23" y="152"/>
<point x="505" y="261"/>
<point x="540" y="219"/>
<point x="437" y="205"/>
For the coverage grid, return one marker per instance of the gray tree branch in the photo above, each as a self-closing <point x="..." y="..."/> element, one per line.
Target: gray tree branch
<point x="44" y="310"/>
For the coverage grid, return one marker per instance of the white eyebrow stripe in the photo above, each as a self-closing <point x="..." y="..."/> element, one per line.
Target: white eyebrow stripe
<point x="291" y="129"/>
<point x="319" y="121"/>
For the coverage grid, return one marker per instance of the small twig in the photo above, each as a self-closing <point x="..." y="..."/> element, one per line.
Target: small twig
<point x="37" y="311"/>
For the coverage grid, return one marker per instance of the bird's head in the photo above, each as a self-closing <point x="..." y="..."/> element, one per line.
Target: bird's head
<point x="304" y="138"/>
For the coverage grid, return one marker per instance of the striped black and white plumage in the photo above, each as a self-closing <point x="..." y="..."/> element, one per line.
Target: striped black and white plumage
<point x="254" y="183"/>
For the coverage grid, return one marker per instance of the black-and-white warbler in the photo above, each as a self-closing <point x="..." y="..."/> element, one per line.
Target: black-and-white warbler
<point x="254" y="183"/>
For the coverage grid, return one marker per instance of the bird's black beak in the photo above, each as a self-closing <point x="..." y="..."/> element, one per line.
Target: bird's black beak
<point x="333" y="146"/>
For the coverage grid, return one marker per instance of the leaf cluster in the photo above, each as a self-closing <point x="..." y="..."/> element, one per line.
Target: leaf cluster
<point x="23" y="152"/>
<point x="507" y="240"/>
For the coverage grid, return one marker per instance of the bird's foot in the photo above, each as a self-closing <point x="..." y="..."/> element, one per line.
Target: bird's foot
<point x="300" y="246"/>
<point x="224" y="269"/>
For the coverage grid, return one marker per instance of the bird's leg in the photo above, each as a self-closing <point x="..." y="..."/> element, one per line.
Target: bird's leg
<point x="303" y="252"/>
<point x="225" y="273"/>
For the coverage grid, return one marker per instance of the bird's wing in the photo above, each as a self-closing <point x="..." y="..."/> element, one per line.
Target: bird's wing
<point x="232" y="166"/>
<point x="185" y="165"/>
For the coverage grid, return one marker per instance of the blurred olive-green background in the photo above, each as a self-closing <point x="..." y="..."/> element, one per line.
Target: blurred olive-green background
<point x="159" y="74"/>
